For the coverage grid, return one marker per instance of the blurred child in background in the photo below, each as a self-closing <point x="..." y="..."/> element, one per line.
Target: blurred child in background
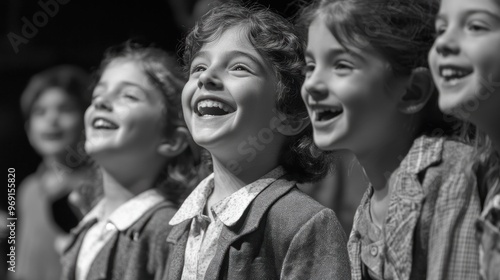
<point x="53" y="104"/>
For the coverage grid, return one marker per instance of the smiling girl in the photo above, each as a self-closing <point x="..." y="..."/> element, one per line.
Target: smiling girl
<point x="242" y="103"/>
<point x="368" y="90"/>
<point x="136" y="134"/>
<point x="466" y="68"/>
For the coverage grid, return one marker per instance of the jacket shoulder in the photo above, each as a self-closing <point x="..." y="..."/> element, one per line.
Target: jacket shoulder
<point x="455" y="151"/>
<point x="157" y="218"/>
<point x="288" y="214"/>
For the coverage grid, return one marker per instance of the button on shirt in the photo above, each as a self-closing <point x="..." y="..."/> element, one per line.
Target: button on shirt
<point x="371" y="245"/>
<point x="204" y="233"/>
<point x="104" y="229"/>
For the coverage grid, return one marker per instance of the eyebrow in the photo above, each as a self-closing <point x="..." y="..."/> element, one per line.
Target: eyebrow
<point x="338" y="52"/>
<point x="233" y="54"/>
<point x="123" y="84"/>
<point x="470" y="12"/>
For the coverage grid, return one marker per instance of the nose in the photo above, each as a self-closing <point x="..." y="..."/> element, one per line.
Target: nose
<point x="447" y="44"/>
<point x="209" y="79"/>
<point x="102" y="102"/>
<point x="316" y="86"/>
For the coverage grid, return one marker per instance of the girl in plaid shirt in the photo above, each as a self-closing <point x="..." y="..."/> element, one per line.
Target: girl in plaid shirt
<point x="466" y="68"/>
<point x="368" y="90"/>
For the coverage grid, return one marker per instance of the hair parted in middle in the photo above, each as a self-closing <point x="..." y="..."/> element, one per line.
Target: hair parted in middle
<point x="276" y="39"/>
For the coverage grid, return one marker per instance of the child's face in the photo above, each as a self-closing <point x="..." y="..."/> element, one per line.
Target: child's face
<point x="465" y="61"/>
<point x="230" y="96"/>
<point x="125" y="118"/>
<point x="350" y="96"/>
<point x="55" y="123"/>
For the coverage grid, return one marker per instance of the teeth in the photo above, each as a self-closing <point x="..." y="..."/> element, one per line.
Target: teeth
<point x="323" y="110"/>
<point x="325" y="114"/>
<point x="453" y="73"/>
<point x="213" y="103"/>
<point x="101" y="123"/>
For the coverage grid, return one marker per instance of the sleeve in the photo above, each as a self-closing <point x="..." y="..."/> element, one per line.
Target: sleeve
<point x="453" y="252"/>
<point x="318" y="250"/>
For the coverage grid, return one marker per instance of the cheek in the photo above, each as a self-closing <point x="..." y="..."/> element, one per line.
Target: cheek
<point x="188" y="92"/>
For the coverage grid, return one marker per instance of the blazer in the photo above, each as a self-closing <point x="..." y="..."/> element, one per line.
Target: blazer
<point x="136" y="253"/>
<point x="284" y="234"/>
<point x="429" y="229"/>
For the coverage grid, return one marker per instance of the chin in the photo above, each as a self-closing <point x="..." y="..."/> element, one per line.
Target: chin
<point x="324" y="142"/>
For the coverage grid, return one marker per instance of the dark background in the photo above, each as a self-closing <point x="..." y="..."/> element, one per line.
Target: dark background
<point x="78" y="33"/>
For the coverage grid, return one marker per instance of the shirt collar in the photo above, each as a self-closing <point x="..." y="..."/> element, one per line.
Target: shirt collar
<point x="195" y="202"/>
<point x="424" y="152"/>
<point x="129" y="212"/>
<point x="230" y="209"/>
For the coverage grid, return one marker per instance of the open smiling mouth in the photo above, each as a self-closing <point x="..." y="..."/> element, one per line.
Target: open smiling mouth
<point x="211" y="107"/>
<point x="453" y="74"/>
<point x="326" y="114"/>
<point x="101" y="123"/>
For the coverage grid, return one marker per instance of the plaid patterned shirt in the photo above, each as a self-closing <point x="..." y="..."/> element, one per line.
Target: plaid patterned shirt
<point x="429" y="231"/>
<point x="488" y="234"/>
<point x="204" y="234"/>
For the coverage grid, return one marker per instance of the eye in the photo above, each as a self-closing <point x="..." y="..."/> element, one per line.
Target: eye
<point x="308" y="69"/>
<point x="130" y="94"/>
<point x="440" y="30"/>
<point x="37" y="111"/>
<point x="198" y="68"/>
<point x="343" y="67"/>
<point x="476" y="26"/>
<point x="240" y="67"/>
<point x="96" y="93"/>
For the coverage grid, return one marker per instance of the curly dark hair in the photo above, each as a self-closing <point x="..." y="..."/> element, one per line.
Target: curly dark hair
<point x="276" y="39"/>
<point x="180" y="174"/>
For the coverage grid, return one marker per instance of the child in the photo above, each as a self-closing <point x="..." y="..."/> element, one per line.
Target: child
<point x="242" y="103"/>
<point x="368" y="90"/>
<point x="466" y="68"/>
<point x="53" y="104"/>
<point x="136" y="135"/>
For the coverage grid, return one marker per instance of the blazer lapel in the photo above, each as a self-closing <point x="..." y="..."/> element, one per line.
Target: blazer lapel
<point x="70" y="253"/>
<point x="177" y="239"/>
<point x="248" y="223"/>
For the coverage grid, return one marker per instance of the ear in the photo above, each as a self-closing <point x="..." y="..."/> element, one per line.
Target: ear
<point x="292" y="126"/>
<point x="420" y="88"/>
<point x="175" y="144"/>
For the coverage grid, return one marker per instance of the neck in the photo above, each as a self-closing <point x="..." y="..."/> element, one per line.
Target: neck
<point x="119" y="188"/>
<point x="381" y="163"/>
<point x="227" y="181"/>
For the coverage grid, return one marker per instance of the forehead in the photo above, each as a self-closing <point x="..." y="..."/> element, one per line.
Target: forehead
<point x="235" y="39"/>
<point x="320" y="37"/>
<point x="124" y="70"/>
<point x="53" y="96"/>
<point x="463" y="6"/>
